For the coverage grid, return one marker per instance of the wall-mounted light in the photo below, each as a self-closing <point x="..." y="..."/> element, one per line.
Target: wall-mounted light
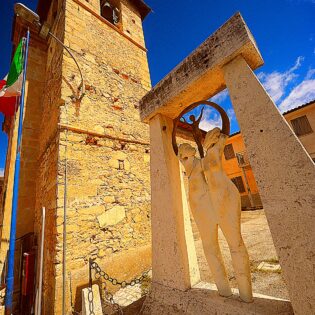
<point x="27" y="14"/>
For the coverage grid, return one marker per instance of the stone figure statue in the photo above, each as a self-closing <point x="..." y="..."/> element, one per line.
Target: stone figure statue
<point x="215" y="202"/>
<point x="197" y="134"/>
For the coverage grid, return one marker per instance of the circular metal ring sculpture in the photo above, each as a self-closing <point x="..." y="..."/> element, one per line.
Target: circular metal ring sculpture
<point x="223" y="114"/>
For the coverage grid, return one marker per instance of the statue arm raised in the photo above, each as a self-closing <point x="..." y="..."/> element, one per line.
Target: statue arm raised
<point x="199" y="118"/>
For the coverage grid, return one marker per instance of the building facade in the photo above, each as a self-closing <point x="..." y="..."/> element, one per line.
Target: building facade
<point x="237" y="167"/>
<point x="236" y="163"/>
<point x="86" y="154"/>
<point x="302" y="121"/>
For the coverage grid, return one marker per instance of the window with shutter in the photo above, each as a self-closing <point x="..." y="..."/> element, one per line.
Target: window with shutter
<point x="229" y="152"/>
<point x="121" y="164"/>
<point x="238" y="182"/>
<point x="301" y="126"/>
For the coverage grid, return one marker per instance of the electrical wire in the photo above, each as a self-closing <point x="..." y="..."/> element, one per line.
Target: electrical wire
<point x="81" y="86"/>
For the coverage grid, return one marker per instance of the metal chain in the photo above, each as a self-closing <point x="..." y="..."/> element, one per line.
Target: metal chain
<point x="100" y="274"/>
<point x="91" y="299"/>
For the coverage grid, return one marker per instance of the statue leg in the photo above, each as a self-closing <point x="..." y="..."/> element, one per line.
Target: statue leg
<point x="231" y="228"/>
<point x="213" y="255"/>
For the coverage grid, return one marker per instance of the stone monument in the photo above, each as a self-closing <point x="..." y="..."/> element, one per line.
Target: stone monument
<point x="285" y="174"/>
<point x="215" y="202"/>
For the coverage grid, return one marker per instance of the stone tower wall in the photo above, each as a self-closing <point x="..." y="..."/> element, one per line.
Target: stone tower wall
<point x="34" y="89"/>
<point x="47" y="174"/>
<point x="107" y="150"/>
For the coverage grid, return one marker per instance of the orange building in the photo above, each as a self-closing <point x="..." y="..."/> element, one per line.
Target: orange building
<point x="236" y="163"/>
<point x="237" y="167"/>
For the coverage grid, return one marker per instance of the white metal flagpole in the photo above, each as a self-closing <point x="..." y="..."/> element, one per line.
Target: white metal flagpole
<point x="40" y="281"/>
<point x="11" y="254"/>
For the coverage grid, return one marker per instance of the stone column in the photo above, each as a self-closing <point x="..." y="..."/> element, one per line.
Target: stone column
<point x="172" y="264"/>
<point x="286" y="179"/>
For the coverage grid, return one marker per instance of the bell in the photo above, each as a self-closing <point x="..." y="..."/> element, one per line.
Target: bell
<point x="116" y="16"/>
<point x="107" y="11"/>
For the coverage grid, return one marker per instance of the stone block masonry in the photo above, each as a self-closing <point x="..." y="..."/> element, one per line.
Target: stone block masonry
<point x="108" y="203"/>
<point x="108" y="184"/>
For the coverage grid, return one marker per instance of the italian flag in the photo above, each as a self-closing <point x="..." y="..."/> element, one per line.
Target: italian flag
<point x="11" y="85"/>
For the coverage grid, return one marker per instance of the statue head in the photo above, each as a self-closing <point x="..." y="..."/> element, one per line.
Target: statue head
<point x="192" y="118"/>
<point x="186" y="152"/>
<point x="212" y="137"/>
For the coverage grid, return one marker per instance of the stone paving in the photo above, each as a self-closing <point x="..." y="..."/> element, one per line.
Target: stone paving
<point x="130" y="294"/>
<point x="260" y="247"/>
<point x="126" y="296"/>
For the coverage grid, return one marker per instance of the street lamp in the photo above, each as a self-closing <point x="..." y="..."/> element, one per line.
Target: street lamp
<point x="27" y="14"/>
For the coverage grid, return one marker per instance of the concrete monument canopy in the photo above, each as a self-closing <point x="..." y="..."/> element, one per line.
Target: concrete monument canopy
<point x="200" y="76"/>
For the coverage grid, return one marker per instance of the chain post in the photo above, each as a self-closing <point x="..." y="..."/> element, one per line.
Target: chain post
<point x="99" y="273"/>
<point x="90" y="272"/>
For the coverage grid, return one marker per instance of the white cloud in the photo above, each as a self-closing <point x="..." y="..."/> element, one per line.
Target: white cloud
<point x="297" y="64"/>
<point x="301" y="94"/>
<point x="276" y="82"/>
<point x="1" y="172"/>
<point x="230" y="112"/>
<point x="220" y="97"/>
<point x="310" y="74"/>
<point x="210" y="119"/>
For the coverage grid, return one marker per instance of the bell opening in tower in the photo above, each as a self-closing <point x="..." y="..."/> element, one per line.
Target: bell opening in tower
<point x="110" y="10"/>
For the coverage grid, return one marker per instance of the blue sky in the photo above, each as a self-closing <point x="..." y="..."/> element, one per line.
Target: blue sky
<point x="284" y="31"/>
<point x="6" y="17"/>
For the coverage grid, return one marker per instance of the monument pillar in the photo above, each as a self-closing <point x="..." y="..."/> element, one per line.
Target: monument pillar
<point x="285" y="176"/>
<point x="286" y="179"/>
<point x="172" y="264"/>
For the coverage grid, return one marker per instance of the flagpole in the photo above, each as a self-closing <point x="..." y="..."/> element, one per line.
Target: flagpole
<point x="10" y="274"/>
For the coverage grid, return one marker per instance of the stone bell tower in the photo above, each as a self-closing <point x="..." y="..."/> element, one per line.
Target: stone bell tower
<point x="94" y="151"/>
